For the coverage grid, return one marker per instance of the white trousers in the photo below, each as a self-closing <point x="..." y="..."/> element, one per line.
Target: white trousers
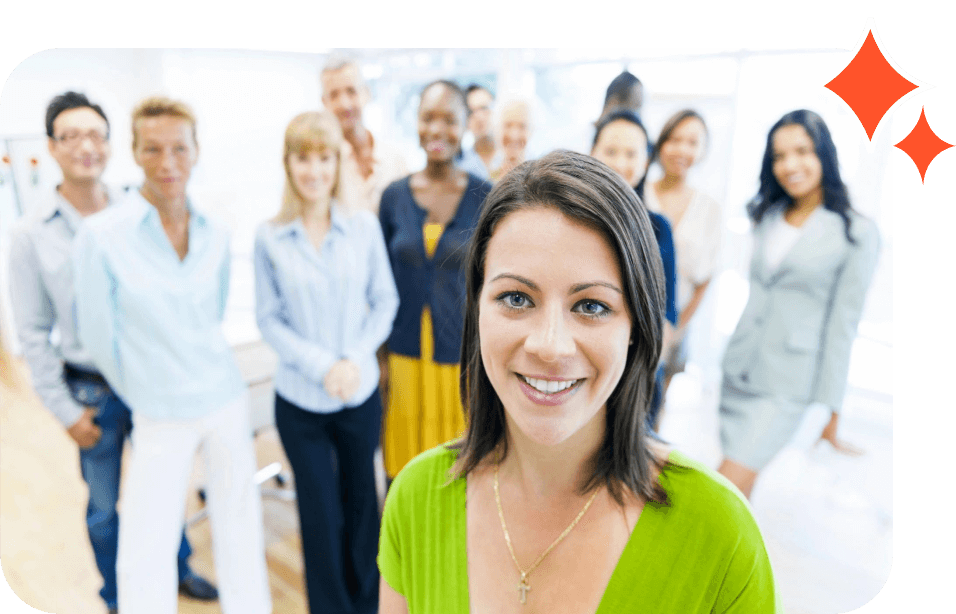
<point x="154" y="505"/>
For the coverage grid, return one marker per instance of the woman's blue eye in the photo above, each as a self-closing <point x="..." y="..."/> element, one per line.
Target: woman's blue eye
<point x="514" y="300"/>
<point x="592" y="308"/>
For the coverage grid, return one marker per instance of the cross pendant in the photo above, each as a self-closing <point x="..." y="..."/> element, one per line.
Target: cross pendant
<point x="524" y="587"/>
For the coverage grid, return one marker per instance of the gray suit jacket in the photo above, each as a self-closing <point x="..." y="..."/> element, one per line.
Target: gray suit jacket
<point x="794" y="338"/>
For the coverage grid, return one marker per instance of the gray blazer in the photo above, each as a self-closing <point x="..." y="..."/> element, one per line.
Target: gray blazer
<point x="794" y="337"/>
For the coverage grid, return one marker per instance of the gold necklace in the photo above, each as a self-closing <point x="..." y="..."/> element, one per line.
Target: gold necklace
<point x="523" y="585"/>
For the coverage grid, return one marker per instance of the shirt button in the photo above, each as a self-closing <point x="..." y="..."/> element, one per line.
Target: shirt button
<point x="744" y="377"/>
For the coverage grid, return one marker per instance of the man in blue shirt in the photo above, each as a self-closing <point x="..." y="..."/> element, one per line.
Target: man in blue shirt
<point x="152" y="277"/>
<point x="65" y="378"/>
<point x="481" y="156"/>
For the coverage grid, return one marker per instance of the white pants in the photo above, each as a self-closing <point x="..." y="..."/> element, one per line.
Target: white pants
<point x="154" y="503"/>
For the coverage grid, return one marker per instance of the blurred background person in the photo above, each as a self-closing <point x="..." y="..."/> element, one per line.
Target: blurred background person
<point x="695" y="219"/>
<point x="812" y="263"/>
<point x="368" y="163"/>
<point x="626" y="91"/>
<point x="512" y="131"/>
<point x="479" y="158"/>
<point x="621" y="142"/>
<point x="152" y="279"/>
<point x="427" y="219"/>
<point x="64" y="375"/>
<point x="325" y="301"/>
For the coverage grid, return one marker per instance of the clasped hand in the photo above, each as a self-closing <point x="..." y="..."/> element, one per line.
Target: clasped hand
<point x="343" y="379"/>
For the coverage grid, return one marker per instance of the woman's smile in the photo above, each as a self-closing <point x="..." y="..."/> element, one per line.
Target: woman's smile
<point x="548" y="391"/>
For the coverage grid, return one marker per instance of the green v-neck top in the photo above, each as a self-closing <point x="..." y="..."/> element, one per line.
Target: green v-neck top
<point x="703" y="553"/>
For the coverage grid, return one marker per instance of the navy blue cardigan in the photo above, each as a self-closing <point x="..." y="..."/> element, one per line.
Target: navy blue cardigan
<point x="665" y="241"/>
<point x="439" y="281"/>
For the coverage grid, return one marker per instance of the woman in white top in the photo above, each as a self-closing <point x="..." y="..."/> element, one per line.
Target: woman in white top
<point x="694" y="218"/>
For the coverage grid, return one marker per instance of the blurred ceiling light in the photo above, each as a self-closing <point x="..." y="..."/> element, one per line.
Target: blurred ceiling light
<point x="372" y="71"/>
<point x="602" y="54"/>
<point x="297" y="50"/>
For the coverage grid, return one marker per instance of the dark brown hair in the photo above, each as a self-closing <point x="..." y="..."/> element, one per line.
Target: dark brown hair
<point x="591" y="193"/>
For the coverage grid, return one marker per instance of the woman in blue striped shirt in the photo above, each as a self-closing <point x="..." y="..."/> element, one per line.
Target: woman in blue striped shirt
<point x="325" y="300"/>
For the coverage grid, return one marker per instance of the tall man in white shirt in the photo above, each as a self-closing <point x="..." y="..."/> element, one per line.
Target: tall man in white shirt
<point x="369" y="164"/>
<point x="63" y="374"/>
<point x="152" y="277"/>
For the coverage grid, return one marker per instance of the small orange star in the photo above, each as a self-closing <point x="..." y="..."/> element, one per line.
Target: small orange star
<point x="922" y="145"/>
<point x="870" y="85"/>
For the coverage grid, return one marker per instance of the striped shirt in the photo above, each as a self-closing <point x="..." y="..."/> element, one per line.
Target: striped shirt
<point x="150" y="321"/>
<point x="316" y="307"/>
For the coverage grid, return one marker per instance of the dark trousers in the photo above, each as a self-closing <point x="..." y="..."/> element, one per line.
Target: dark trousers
<point x="332" y="461"/>
<point x="100" y="466"/>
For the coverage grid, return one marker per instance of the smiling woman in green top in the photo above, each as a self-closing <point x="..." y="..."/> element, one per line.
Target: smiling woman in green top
<point x="556" y="499"/>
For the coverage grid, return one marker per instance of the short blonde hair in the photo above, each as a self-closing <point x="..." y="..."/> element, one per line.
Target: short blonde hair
<point x="155" y="106"/>
<point x="307" y="132"/>
<point x="512" y="106"/>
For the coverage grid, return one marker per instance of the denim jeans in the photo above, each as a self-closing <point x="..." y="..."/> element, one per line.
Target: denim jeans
<point x="100" y="466"/>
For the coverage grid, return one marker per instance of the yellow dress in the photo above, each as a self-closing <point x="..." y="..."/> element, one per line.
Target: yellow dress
<point x="424" y="406"/>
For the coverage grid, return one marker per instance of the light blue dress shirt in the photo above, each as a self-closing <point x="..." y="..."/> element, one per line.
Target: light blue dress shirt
<point x="41" y="284"/>
<point x="316" y="307"/>
<point x="470" y="161"/>
<point x="150" y="322"/>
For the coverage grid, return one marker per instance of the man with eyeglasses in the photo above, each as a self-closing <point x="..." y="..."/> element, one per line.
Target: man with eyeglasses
<point x="63" y="373"/>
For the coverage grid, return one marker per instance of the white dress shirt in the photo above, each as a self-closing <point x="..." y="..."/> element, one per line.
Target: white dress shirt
<point x="781" y="237"/>
<point x="359" y="192"/>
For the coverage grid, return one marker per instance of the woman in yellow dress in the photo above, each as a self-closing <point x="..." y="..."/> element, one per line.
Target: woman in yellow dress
<point x="427" y="219"/>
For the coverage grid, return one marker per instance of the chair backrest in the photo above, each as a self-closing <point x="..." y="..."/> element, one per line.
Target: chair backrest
<point x="258" y="362"/>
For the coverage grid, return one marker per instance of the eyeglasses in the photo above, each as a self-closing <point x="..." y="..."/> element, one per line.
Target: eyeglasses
<point x="73" y="139"/>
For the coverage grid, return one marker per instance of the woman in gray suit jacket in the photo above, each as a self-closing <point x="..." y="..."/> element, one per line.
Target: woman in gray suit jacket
<point x="812" y="263"/>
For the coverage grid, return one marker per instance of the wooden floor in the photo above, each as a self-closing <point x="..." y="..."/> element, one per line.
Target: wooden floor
<point x="44" y="549"/>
